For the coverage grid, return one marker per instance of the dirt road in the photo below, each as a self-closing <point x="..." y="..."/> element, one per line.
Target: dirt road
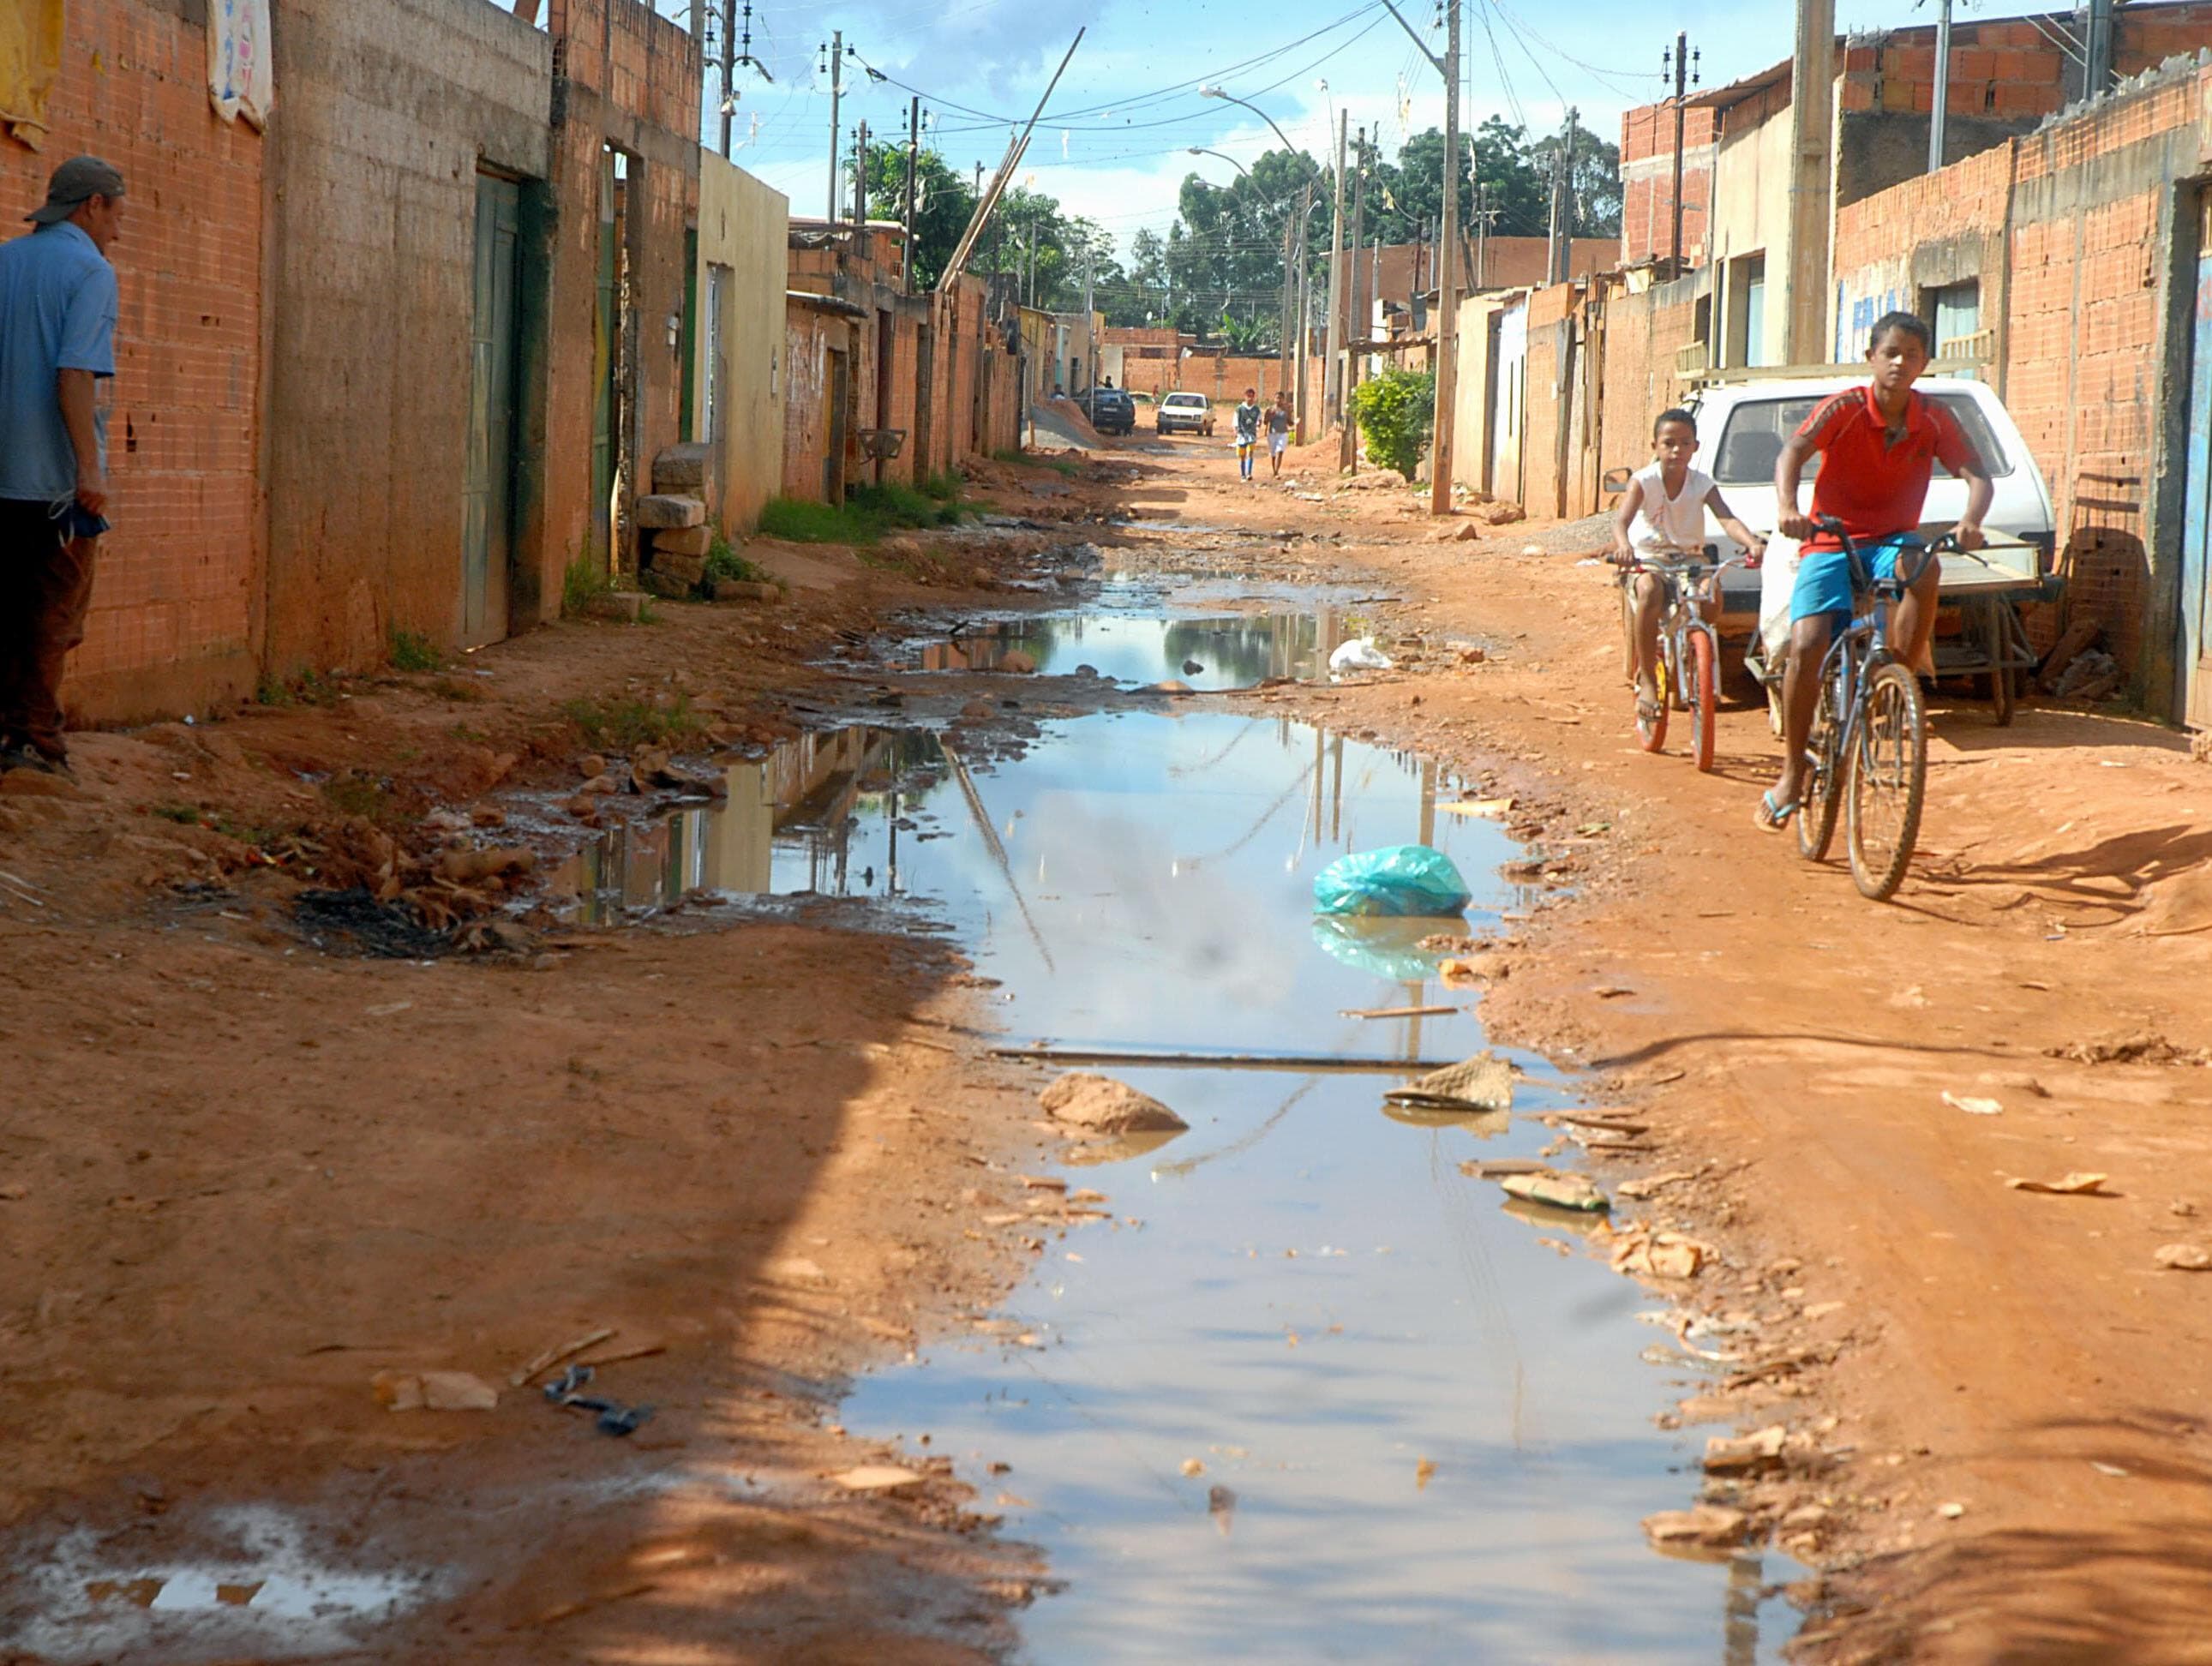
<point x="245" y="1171"/>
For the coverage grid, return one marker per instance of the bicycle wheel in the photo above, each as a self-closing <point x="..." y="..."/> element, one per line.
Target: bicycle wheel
<point x="1816" y="810"/>
<point x="1701" y="683"/>
<point x="1651" y="732"/>
<point x="1889" y="781"/>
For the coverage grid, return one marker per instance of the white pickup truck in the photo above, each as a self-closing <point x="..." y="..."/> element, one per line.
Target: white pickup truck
<point x="1743" y="426"/>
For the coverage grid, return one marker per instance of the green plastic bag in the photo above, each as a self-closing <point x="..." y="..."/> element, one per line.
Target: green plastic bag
<point x="1404" y="881"/>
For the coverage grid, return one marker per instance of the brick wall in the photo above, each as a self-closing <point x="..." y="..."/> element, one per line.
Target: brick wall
<point x="176" y="603"/>
<point x="2073" y="233"/>
<point x="1647" y="179"/>
<point x="1638" y="349"/>
<point x="1220" y="377"/>
<point x="812" y="336"/>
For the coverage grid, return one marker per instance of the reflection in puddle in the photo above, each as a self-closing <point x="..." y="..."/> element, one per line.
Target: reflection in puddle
<point x="1233" y="651"/>
<point x="1433" y="1429"/>
<point x="271" y="1594"/>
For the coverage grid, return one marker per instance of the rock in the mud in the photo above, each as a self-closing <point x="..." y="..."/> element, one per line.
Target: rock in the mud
<point x="1172" y="685"/>
<point x="1499" y="514"/>
<point x="1464" y="531"/>
<point x="590" y="765"/>
<point x="434" y="1391"/>
<point x="1099" y="1105"/>
<point x="1709" y="1526"/>
<point x="1017" y="660"/>
<point x="1561" y="1191"/>
<point x="1762" y="1450"/>
<point x="2185" y="1258"/>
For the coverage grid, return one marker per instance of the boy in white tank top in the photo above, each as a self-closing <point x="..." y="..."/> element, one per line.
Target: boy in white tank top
<point x="1663" y="510"/>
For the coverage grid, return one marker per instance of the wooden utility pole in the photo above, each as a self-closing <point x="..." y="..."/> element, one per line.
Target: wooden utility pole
<point x="1332" y="399"/>
<point x="1563" y="203"/>
<point x="913" y="163"/>
<point x="1354" y="325"/>
<point x="1812" y="182"/>
<point x="860" y="175"/>
<point x="1440" y="446"/>
<point x="836" y="51"/>
<point x="1681" y="72"/>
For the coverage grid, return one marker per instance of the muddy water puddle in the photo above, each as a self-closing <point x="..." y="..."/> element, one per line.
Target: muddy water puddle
<point x="1203" y="653"/>
<point x="1309" y="1393"/>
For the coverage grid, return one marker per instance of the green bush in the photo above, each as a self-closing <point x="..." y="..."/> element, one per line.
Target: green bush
<point x="1396" y="411"/>
<point x="724" y="563"/>
<point x="413" y="650"/>
<point x="582" y="585"/>
<point x="624" y="721"/>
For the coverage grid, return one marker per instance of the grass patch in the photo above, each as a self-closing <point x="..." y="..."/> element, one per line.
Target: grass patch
<point x="185" y="815"/>
<point x="944" y="488"/>
<point x="622" y="725"/>
<point x="1064" y="467"/>
<point x="413" y="650"/>
<point x="582" y="585"/>
<point x="803" y="522"/>
<point x="896" y="505"/>
<point x="352" y="793"/>
<point x="307" y="687"/>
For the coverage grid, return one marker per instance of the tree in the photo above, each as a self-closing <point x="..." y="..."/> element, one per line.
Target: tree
<point x="1593" y="180"/>
<point x="944" y="204"/>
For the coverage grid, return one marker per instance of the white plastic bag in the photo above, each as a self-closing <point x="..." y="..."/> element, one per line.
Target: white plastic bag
<point x="1359" y="654"/>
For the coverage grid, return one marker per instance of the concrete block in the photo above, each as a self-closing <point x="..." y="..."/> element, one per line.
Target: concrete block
<point x="683" y="541"/>
<point x="661" y="510"/>
<point x="666" y="585"/>
<point x="689" y="569"/>
<point x="681" y="469"/>
<point x="627" y="605"/>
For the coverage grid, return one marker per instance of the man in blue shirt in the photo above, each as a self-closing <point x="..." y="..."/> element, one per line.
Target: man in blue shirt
<point x="58" y="307"/>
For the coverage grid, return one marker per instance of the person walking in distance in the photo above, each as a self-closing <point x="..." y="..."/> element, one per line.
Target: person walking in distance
<point x="57" y="309"/>
<point x="1248" y="431"/>
<point x="1279" y="433"/>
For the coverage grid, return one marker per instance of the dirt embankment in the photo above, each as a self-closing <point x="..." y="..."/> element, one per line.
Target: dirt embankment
<point x="2000" y="1427"/>
<point x="242" y="1179"/>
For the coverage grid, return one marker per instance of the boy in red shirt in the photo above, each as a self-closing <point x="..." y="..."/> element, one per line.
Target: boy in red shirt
<point x="1880" y="444"/>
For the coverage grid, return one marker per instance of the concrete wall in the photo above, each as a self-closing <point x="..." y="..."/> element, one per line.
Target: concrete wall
<point x="743" y="226"/>
<point x="385" y="115"/>
<point x="814" y="336"/>
<point x="1641" y="336"/>
<point x="1751" y="215"/>
<point x="626" y="77"/>
<point x="176" y="605"/>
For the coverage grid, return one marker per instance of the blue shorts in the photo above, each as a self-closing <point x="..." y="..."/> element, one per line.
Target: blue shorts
<point x="1824" y="577"/>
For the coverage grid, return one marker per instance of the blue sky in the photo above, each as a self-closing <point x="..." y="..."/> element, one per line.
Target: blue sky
<point x="1128" y="105"/>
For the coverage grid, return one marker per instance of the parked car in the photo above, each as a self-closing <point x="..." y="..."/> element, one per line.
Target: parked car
<point x="1744" y="425"/>
<point x="1111" y="411"/>
<point x="1187" y="413"/>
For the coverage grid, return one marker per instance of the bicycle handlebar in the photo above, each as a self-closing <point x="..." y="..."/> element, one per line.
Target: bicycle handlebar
<point x="1945" y="543"/>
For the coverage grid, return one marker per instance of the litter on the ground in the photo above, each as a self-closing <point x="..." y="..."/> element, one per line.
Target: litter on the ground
<point x="1358" y="654"/>
<point x="1481" y="1083"/>
<point x="1407" y="881"/>
<point x="1559" y="1191"/>
<point x="2078" y="1184"/>
<point x="434" y="1391"/>
<point x="1973" y="1106"/>
<point x="611" y="1417"/>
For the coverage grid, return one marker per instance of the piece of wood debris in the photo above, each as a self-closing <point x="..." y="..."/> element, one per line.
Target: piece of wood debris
<point x="554" y="1356"/>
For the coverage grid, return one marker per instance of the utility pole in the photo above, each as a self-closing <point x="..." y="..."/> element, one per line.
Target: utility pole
<point x="1940" y="110"/>
<point x="913" y="163"/>
<point x="1287" y="296"/>
<point x="1811" y="182"/>
<point x="726" y="59"/>
<point x="1683" y="80"/>
<point x="1562" y="204"/>
<point x="2097" y="48"/>
<point x="1354" y="328"/>
<point x="1332" y="403"/>
<point x="860" y="175"/>
<point x="1440" y="449"/>
<point x="1484" y="214"/>
<point x="836" y="51"/>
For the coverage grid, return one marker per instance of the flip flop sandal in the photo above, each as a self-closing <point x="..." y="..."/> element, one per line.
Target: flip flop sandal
<point x="1648" y="710"/>
<point x="1771" y="817"/>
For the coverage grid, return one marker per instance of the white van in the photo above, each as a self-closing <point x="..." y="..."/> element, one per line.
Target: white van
<point x="1743" y="427"/>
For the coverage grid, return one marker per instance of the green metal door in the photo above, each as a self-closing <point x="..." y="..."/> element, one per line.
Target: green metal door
<point x="488" y="480"/>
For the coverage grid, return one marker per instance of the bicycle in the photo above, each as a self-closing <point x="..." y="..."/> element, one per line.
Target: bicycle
<point x="1871" y="726"/>
<point x="1688" y="669"/>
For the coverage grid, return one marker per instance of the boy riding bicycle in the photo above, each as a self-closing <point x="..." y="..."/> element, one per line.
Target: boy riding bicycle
<point x="1881" y="444"/>
<point x="1663" y="512"/>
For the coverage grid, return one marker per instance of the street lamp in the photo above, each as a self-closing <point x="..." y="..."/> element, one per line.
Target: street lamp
<point x="1228" y="97"/>
<point x="1201" y="151"/>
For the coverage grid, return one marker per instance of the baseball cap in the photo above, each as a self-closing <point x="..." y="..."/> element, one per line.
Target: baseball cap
<point x="74" y="183"/>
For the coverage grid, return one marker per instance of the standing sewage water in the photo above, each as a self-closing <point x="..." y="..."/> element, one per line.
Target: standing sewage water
<point x="1311" y="1393"/>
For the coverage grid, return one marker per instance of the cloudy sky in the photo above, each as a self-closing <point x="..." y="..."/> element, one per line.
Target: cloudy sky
<point x="1114" y="142"/>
